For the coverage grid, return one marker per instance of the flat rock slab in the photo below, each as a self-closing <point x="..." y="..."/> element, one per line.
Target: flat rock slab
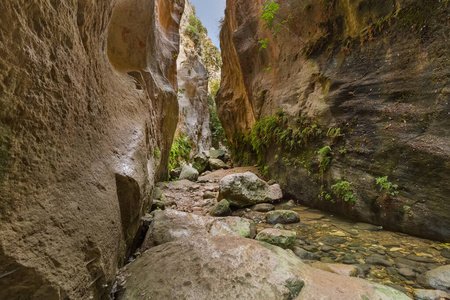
<point x="282" y="217"/>
<point x="281" y="238"/>
<point x="230" y="267"/>
<point x="171" y="225"/>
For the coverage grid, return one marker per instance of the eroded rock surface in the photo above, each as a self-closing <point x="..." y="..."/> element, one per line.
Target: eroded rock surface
<point x="171" y="225"/>
<point x="373" y="77"/>
<point x="87" y="96"/>
<point x="238" y="268"/>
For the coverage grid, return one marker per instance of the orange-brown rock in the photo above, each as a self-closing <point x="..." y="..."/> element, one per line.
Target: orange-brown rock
<point x="88" y="113"/>
<point x="376" y="70"/>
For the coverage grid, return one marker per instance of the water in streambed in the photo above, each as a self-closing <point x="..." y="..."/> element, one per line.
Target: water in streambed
<point x="391" y="258"/>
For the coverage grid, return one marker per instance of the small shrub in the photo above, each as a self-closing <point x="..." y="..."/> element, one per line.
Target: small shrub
<point x="387" y="186"/>
<point x="343" y="190"/>
<point x="326" y="155"/>
<point x="181" y="148"/>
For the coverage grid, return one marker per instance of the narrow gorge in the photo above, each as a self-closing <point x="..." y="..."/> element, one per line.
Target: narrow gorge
<point x="307" y="158"/>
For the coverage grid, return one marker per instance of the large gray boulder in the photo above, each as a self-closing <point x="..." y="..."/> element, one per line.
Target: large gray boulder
<point x="245" y="189"/>
<point x="217" y="164"/>
<point x="189" y="173"/>
<point x="230" y="267"/>
<point x="171" y="225"/>
<point x="438" y="278"/>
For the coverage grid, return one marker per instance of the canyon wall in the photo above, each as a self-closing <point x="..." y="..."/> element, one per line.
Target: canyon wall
<point x="369" y="80"/>
<point x="197" y="66"/>
<point x="88" y="114"/>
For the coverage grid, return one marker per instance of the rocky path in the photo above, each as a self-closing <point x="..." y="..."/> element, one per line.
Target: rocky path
<point x="323" y="241"/>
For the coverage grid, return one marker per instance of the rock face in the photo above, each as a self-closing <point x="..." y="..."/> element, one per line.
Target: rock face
<point x="247" y="189"/>
<point x="171" y="225"/>
<point x="238" y="268"/>
<point x="369" y="80"/>
<point x="192" y="87"/>
<point x="87" y="99"/>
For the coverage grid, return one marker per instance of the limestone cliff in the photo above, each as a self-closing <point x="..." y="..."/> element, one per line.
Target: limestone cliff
<point x="88" y="113"/>
<point x="369" y="79"/>
<point x="197" y="66"/>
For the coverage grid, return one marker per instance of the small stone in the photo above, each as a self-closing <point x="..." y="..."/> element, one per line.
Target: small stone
<point x="334" y="240"/>
<point x="327" y="260"/>
<point x="378" y="260"/>
<point x="263" y="207"/>
<point x="279" y="226"/>
<point x="326" y="248"/>
<point x="446" y="253"/>
<point x="380" y="274"/>
<point x="338" y="233"/>
<point x="420" y="258"/>
<point x="368" y="227"/>
<point x="221" y="209"/>
<point x="282" y="216"/>
<point x="288" y="205"/>
<point x="406" y="272"/>
<point x="430" y="295"/>
<point x="438" y="278"/>
<point x="303" y="254"/>
<point x="281" y="238"/>
<point x="349" y="259"/>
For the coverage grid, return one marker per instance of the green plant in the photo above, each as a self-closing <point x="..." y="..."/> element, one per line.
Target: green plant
<point x="157" y="152"/>
<point x="181" y="148"/>
<point x="324" y="195"/>
<point x="264" y="170"/>
<point x="343" y="190"/>
<point x="387" y="186"/>
<point x="407" y="210"/>
<point x="326" y="155"/>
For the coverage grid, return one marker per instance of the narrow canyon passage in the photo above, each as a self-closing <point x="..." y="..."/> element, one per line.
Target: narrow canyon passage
<point x="307" y="157"/>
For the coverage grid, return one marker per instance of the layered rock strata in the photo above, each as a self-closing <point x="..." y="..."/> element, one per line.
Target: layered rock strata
<point x="87" y="118"/>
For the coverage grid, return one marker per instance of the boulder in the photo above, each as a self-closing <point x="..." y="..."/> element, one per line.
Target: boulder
<point x="175" y="173"/>
<point x="438" y="278"/>
<point x="221" y="209"/>
<point x="217" y="154"/>
<point x="245" y="189"/>
<point x="281" y="238"/>
<point x="201" y="163"/>
<point x="263" y="207"/>
<point x="189" y="173"/>
<point x="216" y="164"/>
<point x="170" y="225"/>
<point x="282" y="217"/>
<point x="231" y="267"/>
<point x="430" y="295"/>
